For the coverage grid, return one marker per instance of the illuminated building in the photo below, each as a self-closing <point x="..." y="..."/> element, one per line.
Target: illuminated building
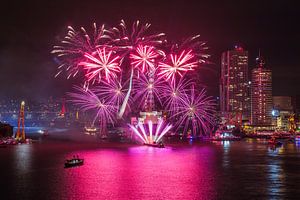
<point x="261" y="95"/>
<point x="234" y="85"/>
<point x="284" y="108"/>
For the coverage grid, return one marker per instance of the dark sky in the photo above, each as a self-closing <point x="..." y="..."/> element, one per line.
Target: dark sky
<point x="29" y="29"/>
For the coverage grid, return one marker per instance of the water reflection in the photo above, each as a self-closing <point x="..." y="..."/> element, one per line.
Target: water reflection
<point x="23" y="159"/>
<point x="226" y="149"/>
<point x="230" y="170"/>
<point x="22" y="171"/>
<point x="143" y="173"/>
<point x="276" y="174"/>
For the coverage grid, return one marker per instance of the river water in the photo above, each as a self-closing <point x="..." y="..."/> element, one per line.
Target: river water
<point x="247" y="169"/>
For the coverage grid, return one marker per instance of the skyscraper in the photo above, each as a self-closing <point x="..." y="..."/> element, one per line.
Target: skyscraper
<point x="234" y="84"/>
<point x="261" y="95"/>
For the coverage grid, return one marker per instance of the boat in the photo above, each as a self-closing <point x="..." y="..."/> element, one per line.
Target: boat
<point x="225" y="135"/>
<point x="189" y="136"/>
<point x="45" y="133"/>
<point x="90" y="130"/>
<point x="274" y="141"/>
<point x="74" y="162"/>
<point x="158" y="145"/>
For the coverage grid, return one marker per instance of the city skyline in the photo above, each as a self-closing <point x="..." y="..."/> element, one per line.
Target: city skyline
<point x="31" y="32"/>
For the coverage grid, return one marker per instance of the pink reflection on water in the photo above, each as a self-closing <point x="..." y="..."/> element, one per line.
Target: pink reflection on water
<point x="143" y="173"/>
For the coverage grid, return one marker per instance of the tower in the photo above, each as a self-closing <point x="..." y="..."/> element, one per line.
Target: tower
<point x="234" y="85"/>
<point x="63" y="109"/>
<point x="149" y="101"/>
<point x="20" y="135"/>
<point x="261" y="94"/>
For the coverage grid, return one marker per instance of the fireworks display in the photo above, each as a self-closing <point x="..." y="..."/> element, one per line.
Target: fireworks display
<point x="147" y="135"/>
<point x="128" y="66"/>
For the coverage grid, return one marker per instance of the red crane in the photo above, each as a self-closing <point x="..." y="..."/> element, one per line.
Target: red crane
<point x="20" y="134"/>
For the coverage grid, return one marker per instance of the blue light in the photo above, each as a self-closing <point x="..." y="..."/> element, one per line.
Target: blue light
<point x="275" y="113"/>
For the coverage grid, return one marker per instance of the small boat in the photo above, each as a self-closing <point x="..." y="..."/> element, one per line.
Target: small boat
<point x="225" y="135"/>
<point x="275" y="142"/>
<point x="73" y="162"/>
<point x="159" y="145"/>
<point x="45" y="133"/>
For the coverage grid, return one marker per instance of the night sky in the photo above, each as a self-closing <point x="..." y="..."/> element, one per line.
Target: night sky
<point x="29" y="29"/>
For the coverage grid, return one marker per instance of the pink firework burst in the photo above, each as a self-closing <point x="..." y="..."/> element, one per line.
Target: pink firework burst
<point x="112" y="92"/>
<point x="148" y="86"/>
<point x="103" y="62"/>
<point x="173" y="93"/>
<point x="144" y="58"/>
<point x="178" y="64"/>
<point x="198" y="46"/>
<point x="88" y="100"/>
<point x="75" y="45"/>
<point x="128" y="39"/>
<point x="195" y="112"/>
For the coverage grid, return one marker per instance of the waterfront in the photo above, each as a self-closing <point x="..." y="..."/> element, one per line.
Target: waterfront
<point x="222" y="170"/>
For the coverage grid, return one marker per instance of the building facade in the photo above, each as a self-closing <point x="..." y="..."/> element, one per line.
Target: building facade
<point x="234" y="84"/>
<point x="261" y="95"/>
<point x="282" y="111"/>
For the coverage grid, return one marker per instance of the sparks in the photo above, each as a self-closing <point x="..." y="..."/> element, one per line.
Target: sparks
<point x="196" y="112"/>
<point x="178" y="64"/>
<point x="129" y="39"/>
<point x="89" y="101"/>
<point x="70" y="52"/>
<point x="144" y="58"/>
<point x="148" y="86"/>
<point x="149" y="138"/>
<point x="102" y="62"/>
<point x="112" y="92"/>
<point x="173" y="94"/>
